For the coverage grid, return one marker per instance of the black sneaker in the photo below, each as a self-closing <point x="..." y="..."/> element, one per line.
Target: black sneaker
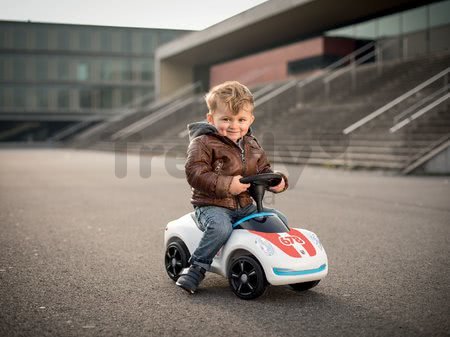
<point x="190" y="278"/>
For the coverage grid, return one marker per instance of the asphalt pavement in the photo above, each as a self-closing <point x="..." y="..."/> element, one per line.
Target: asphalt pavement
<point x="81" y="252"/>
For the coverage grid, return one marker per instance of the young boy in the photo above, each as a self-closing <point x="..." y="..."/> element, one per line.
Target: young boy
<point x="221" y="152"/>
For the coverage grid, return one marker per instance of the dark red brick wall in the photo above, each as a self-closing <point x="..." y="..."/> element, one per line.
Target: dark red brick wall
<point x="267" y="66"/>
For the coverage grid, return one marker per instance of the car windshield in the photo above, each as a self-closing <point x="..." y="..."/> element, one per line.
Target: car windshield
<point x="263" y="222"/>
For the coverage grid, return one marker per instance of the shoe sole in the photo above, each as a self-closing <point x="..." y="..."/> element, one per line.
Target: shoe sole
<point x="190" y="291"/>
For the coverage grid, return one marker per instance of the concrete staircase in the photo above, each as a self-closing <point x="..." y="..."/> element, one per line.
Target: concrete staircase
<point x="311" y="132"/>
<point x="305" y="126"/>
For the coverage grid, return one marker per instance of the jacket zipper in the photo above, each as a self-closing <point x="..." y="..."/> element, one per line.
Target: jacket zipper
<point x="242" y="150"/>
<point x="243" y="162"/>
<point x="243" y="168"/>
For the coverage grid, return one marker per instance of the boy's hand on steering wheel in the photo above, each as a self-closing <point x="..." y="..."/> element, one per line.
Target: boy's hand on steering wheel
<point x="279" y="187"/>
<point x="236" y="187"/>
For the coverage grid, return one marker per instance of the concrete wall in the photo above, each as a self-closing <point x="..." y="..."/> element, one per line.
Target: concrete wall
<point x="440" y="164"/>
<point x="174" y="76"/>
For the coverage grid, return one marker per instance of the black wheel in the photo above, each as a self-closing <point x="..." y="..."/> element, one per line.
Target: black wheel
<point x="304" y="286"/>
<point x="176" y="258"/>
<point x="246" y="278"/>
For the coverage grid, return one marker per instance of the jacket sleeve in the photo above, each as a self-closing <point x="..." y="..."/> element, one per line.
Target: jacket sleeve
<point x="199" y="171"/>
<point x="264" y="167"/>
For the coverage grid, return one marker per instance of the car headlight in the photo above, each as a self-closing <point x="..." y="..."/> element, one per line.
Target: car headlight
<point x="315" y="239"/>
<point x="265" y="246"/>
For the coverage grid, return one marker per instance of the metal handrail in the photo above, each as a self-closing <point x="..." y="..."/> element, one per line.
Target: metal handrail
<point x="315" y="76"/>
<point x="426" y="153"/>
<point x="318" y="75"/>
<point x="394" y="102"/>
<point x="138" y="101"/>
<point x="156" y="104"/>
<point x="351" y="67"/>
<point x="419" y="113"/>
<point x="70" y="130"/>
<point x="152" y="118"/>
<point x="275" y="92"/>
<point x="335" y="65"/>
<point x="415" y="106"/>
<point x="254" y="74"/>
<point x="264" y="90"/>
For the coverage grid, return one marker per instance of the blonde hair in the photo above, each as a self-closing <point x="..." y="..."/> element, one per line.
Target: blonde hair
<point x="231" y="93"/>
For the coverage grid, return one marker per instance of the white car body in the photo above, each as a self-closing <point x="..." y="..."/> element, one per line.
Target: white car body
<point x="293" y="257"/>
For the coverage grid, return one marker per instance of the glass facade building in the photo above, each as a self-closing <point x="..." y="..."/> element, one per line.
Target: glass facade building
<point x="419" y="30"/>
<point x="57" y="72"/>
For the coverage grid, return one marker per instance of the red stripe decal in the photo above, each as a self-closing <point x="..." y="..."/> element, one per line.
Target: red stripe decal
<point x="306" y="243"/>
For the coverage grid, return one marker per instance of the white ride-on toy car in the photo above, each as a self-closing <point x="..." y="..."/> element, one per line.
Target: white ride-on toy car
<point x="262" y="249"/>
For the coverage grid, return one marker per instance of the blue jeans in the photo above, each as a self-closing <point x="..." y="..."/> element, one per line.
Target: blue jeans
<point x="217" y="225"/>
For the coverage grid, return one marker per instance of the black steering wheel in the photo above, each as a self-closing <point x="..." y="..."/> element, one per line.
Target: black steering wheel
<point x="265" y="179"/>
<point x="259" y="183"/>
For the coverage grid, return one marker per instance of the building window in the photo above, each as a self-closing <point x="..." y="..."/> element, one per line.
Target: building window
<point x="2" y="99"/>
<point x="125" y="42"/>
<point x="414" y="20"/>
<point x="19" y="97"/>
<point x="366" y="30"/>
<point x="2" y="68"/>
<point x="136" y="43"/>
<point x="19" y="70"/>
<point x="31" y="98"/>
<point x="389" y="26"/>
<point x="19" y="39"/>
<point x="148" y="42"/>
<point x="106" y="98"/>
<point x="63" y="39"/>
<point x="63" y="98"/>
<point x="82" y="71"/>
<point x="146" y="70"/>
<point x="4" y="38"/>
<point x="105" y="41"/>
<point x="41" y="68"/>
<point x="106" y="70"/>
<point x="85" y="40"/>
<point x="126" y="96"/>
<point x="85" y="98"/>
<point x="63" y="69"/>
<point x="42" y="97"/>
<point x="439" y="13"/>
<point x="8" y="94"/>
<point x="29" y="65"/>
<point x="116" y="41"/>
<point x="125" y="70"/>
<point x="41" y="35"/>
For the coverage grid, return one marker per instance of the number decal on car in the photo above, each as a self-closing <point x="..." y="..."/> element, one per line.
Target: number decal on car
<point x="290" y="240"/>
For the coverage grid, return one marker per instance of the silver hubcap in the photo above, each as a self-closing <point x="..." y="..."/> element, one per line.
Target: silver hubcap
<point x="244" y="278"/>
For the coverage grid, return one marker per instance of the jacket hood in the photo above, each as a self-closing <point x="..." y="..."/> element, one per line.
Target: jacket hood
<point x="204" y="128"/>
<point x="200" y="128"/>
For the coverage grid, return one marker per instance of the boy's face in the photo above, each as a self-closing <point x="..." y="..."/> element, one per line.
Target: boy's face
<point x="231" y="125"/>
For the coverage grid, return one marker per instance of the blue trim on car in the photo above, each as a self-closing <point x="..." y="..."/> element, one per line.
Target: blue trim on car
<point x="251" y="216"/>
<point x="290" y="272"/>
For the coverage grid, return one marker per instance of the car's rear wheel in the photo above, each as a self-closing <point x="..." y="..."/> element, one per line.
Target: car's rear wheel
<point x="304" y="286"/>
<point x="246" y="277"/>
<point x="176" y="258"/>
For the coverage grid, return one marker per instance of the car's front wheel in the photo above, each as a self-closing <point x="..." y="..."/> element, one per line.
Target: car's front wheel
<point x="176" y="258"/>
<point x="246" y="277"/>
